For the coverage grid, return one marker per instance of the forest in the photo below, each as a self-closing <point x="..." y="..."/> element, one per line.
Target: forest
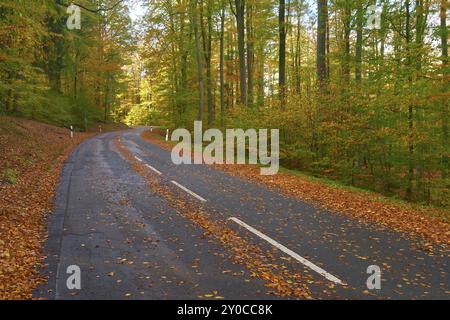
<point x="358" y="88"/>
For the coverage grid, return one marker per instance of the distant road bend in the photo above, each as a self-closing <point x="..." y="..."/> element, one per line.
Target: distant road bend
<point x="130" y="242"/>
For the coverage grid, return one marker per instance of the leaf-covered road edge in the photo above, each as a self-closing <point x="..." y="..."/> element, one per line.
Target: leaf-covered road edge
<point x="261" y="264"/>
<point x="368" y="208"/>
<point x="38" y="153"/>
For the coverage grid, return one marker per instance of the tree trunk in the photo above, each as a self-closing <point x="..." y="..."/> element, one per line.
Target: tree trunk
<point x="54" y="48"/>
<point x="182" y="87"/>
<point x="240" y="22"/>
<point x="322" y="11"/>
<point x="282" y="53"/>
<point x="421" y="21"/>
<point x="207" y="51"/>
<point x="250" y="54"/>
<point x="411" y="167"/>
<point x="105" y="98"/>
<point x="298" y="50"/>
<point x="347" y="17"/>
<point x="445" y="87"/>
<point x="194" y="5"/>
<point x="222" y="80"/>
<point x="261" y="78"/>
<point x="359" y="40"/>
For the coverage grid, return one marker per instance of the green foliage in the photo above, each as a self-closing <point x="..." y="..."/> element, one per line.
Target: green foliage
<point x="138" y="115"/>
<point x="52" y="74"/>
<point x="11" y="176"/>
<point x="379" y="119"/>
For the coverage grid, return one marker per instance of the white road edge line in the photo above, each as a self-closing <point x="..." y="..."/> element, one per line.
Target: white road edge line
<point x="155" y="170"/>
<point x="289" y="252"/>
<point x="188" y="191"/>
<point x="138" y="159"/>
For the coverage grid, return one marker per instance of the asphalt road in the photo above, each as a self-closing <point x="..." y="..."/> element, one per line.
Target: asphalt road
<point x="130" y="243"/>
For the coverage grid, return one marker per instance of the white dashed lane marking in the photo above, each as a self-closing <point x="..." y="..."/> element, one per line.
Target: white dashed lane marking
<point x="288" y="251"/>
<point x="153" y="169"/>
<point x="188" y="191"/>
<point x="276" y="244"/>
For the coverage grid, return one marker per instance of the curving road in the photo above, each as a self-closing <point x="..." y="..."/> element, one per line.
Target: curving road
<point x="130" y="243"/>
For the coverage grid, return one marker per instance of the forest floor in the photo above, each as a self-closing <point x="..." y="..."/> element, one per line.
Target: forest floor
<point x="31" y="158"/>
<point x="429" y="223"/>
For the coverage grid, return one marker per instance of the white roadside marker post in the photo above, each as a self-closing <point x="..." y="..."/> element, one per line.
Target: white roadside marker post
<point x="71" y="132"/>
<point x="167" y="135"/>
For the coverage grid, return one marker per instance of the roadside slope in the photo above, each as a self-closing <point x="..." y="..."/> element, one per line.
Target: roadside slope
<point x="31" y="158"/>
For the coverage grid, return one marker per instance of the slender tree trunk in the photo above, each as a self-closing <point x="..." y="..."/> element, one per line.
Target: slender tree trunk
<point x="422" y="10"/>
<point x="174" y="102"/>
<point x="445" y="88"/>
<point x="207" y="51"/>
<point x="347" y="16"/>
<point x="359" y="40"/>
<point x="298" y="50"/>
<point x="383" y="32"/>
<point x="222" y="80"/>
<point x="444" y="35"/>
<point x="411" y="167"/>
<point x="282" y="53"/>
<point x="182" y="87"/>
<point x="327" y="54"/>
<point x="322" y="10"/>
<point x="54" y="49"/>
<point x="230" y="70"/>
<point x="75" y="80"/>
<point x="250" y="54"/>
<point x="421" y="21"/>
<point x="105" y="98"/>
<point x="194" y="8"/>
<point x="261" y="78"/>
<point x="240" y="22"/>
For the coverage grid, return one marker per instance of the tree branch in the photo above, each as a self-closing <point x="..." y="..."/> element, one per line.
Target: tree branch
<point x="232" y="9"/>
